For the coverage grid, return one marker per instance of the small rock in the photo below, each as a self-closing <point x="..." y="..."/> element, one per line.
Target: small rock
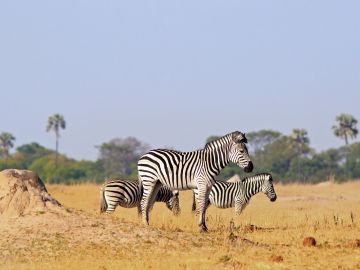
<point x="309" y="242"/>
<point x="354" y="243"/>
<point x="276" y="258"/>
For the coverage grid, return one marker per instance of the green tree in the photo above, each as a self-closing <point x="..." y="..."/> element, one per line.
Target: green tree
<point x="11" y="163"/>
<point x="55" y="123"/>
<point x="27" y="153"/>
<point x="6" y="142"/>
<point x="318" y="167"/>
<point x="352" y="164"/>
<point x="68" y="170"/>
<point x="300" y="138"/>
<point x="330" y="163"/>
<point x="301" y="141"/>
<point x="258" y="139"/>
<point x="119" y="155"/>
<point x="345" y="127"/>
<point x="277" y="157"/>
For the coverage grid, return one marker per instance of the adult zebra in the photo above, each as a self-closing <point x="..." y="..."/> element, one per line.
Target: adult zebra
<point x="190" y="170"/>
<point x="128" y="194"/>
<point x="226" y="194"/>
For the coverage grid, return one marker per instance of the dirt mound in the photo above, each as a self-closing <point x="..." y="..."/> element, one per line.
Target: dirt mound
<point x="22" y="192"/>
<point x="27" y="209"/>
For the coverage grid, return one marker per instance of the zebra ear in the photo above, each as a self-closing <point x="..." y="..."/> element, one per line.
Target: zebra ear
<point x="239" y="137"/>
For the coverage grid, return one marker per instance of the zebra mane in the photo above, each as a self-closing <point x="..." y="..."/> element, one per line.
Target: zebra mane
<point x="256" y="177"/>
<point x="236" y="136"/>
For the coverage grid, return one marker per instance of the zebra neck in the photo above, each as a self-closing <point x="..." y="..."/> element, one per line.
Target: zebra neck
<point x="218" y="157"/>
<point x="251" y="188"/>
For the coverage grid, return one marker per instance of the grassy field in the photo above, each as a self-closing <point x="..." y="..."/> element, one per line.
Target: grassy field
<point x="267" y="235"/>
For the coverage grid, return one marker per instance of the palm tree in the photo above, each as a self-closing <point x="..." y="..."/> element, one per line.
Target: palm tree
<point x="301" y="140"/>
<point x="6" y="142"/>
<point x="55" y="122"/>
<point x="345" y="127"/>
<point x="299" y="135"/>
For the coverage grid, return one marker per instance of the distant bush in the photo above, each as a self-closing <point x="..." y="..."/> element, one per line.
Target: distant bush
<point x="273" y="152"/>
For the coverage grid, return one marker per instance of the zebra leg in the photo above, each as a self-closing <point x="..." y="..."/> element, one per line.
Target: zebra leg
<point x="193" y="207"/>
<point x="154" y="194"/>
<point x="103" y="203"/>
<point x="139" y="209"/>
<point x="174" y="204"/>
<point x="194" y="210"/>
<point x="111" y="203"/>
<point x="207" y="204"/>
<point x="203" y="197"/>
<point x="239" y="206"/>
<point x="148" y="199"/>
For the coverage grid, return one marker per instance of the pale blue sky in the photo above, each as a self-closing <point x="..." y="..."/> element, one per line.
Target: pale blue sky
<point x="172" y="73"/>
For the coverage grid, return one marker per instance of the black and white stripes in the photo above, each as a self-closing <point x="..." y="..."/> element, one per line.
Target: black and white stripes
<point x="128" y="194"/>
<point x="238" y="194"/>
<point x="190" y="170"/>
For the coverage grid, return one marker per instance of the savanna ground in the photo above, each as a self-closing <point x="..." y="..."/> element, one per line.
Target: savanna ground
<point x="83" y="239"/>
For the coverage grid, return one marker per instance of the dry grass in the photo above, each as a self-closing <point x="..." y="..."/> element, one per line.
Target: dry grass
<point x="330" y="213"/>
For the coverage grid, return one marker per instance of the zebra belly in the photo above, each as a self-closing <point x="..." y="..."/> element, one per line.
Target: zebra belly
<point x="186" y="186"/>
<point x="128" y="205"/>
<point x="222" y="204"/>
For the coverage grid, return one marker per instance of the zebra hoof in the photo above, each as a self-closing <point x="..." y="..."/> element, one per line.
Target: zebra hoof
<point x="203" y="228"/>
<point x="145" y="222"/>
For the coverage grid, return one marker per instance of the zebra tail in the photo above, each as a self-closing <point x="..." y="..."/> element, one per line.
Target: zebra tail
<point x="103" y="203"/>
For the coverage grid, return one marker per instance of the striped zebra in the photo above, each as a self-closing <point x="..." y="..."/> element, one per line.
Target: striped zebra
<point x="128" y="194"/>
<point x="190" y="170"/>
<point x="238" y="194"/>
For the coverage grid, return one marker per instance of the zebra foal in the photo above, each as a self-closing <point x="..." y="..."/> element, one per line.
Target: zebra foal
<point x="190" y="170"/>
<point x="128" y="194"/>
<point x="238" y="194"/>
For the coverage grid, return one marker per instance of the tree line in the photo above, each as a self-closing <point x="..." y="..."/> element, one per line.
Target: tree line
<point x="289" y="157"/>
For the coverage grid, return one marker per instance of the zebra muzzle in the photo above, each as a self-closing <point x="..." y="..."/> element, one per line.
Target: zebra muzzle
<point x="249" y="167"/>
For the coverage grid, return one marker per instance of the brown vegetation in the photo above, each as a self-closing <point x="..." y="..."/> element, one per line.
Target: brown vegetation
<point x="80" y="238"/>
